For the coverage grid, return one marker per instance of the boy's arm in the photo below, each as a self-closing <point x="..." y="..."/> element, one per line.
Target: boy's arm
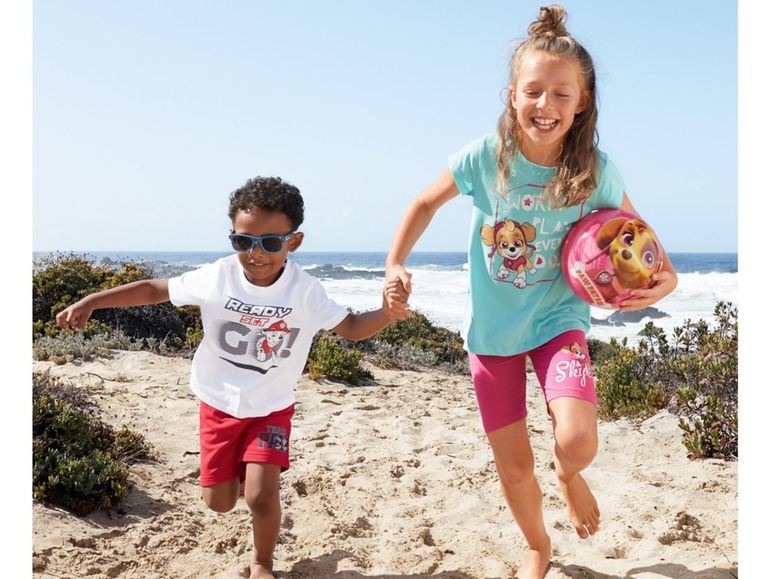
<point x="363" y="325"/>
<point x="137" y="293"/>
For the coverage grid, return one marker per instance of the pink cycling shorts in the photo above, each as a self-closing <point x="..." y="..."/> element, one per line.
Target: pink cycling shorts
<point x="229" y="443"/>
<point x="562" y="367"/>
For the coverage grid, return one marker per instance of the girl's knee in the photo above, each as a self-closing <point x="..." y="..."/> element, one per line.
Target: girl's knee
<point x="576" y="448"/>
<point x="514" y="474"/>
<point x="575" y="426"/>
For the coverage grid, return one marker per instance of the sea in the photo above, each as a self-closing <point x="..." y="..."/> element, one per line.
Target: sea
<point x="440" y="284"/>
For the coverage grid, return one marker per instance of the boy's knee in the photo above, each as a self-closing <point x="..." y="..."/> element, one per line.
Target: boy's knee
<point x="221" y="498"/>
<point x="219" y="504"/>
<point x="262" y="503"/>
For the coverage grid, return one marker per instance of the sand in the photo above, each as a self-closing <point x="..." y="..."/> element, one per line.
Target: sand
<point x="392" y="479"/>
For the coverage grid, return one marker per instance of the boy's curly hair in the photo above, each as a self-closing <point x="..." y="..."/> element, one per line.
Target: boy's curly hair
<point x="268" y="194"/>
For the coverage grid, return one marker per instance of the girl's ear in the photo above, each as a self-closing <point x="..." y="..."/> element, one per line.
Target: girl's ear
<point x="512" y="100"/>
<point x="584" y="102"/>
<point x="295" y="241"/>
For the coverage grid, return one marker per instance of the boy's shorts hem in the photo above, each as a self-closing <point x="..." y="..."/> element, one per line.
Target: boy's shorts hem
<point x="229" y="443"/>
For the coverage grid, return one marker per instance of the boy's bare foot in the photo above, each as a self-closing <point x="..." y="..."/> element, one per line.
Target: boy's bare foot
<point x="536" y="563"/>
<point x="582" y="506"/>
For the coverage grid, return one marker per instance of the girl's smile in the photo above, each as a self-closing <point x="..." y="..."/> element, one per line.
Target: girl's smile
<point x="544" y="124"/>
<point x="548" y="95"/>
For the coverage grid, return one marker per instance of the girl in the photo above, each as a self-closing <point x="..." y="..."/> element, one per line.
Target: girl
<point x="529" y="182"/>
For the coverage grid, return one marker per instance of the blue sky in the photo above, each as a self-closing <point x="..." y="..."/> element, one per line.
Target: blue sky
<point x="146" y="114"/>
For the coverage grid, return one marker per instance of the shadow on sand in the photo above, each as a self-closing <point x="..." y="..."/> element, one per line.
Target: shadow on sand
<point x="327" y="567"/>
<point x="671" y="570"/>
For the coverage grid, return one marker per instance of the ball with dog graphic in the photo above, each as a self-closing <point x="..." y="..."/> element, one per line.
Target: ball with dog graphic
<point x="608" y="253"/>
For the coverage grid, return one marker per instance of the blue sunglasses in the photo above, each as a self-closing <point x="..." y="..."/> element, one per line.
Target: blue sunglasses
<point x="242" y="242"/>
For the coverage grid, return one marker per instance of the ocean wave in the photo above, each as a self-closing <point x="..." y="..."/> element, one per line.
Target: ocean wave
<point x="329" y="271"/>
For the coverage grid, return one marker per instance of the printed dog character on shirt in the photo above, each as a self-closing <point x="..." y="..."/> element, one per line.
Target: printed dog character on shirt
<point x="632" y="249"/>
<point x="269" y="344"/>
<point x="510" y="240"/>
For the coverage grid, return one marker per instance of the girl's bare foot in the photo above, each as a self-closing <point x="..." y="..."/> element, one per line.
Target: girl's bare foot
<point x="536" y="563"/>
<point x="259" y="571"/>
<point x="582" y="506"/>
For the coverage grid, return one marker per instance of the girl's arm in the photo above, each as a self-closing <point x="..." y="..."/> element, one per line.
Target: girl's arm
<point x="663" y="282"/>
<point x="414" y="222"/>
<point x="137" y="293"/>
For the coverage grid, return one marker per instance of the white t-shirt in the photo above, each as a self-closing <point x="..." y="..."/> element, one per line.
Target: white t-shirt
<point x="256" y="339"/>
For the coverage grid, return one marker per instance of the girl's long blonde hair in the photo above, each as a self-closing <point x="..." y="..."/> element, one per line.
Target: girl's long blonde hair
<point x="575" y="177"/>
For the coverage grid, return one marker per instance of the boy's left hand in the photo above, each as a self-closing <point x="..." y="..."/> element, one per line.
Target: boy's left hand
<point x="664" y="282"/>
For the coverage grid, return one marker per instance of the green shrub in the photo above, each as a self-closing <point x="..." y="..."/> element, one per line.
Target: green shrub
<point x="695" y="376"/>
<point x="330" y="358"/>
<point x="60" y="280"/>
<point x="194" y="329"/>
<point x="709" y="423"/>
<point x="415" y="343"/>
<point x="600" y="351"/>
<point x="78" y="462"/>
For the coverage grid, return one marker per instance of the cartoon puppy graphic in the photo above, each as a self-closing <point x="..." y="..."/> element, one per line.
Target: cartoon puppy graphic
<point x="632" y="249"/>
<point x="269" y="344"/>
<point x="575" y="349"/>
<point x="510" y="240"/>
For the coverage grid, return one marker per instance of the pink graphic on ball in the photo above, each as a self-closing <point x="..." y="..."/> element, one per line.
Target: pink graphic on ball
<point x="608" y="253"/>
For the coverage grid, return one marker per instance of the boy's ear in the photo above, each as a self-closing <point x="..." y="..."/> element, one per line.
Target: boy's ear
<point x="295" y="241"/>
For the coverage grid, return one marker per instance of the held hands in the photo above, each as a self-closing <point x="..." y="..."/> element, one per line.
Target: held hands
<point x="395" y="295"/>
<point x="664" y="282"/>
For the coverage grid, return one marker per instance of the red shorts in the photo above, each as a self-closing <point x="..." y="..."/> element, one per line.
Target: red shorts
<point x="562" y="367"/>
<point x="228" y="443"/>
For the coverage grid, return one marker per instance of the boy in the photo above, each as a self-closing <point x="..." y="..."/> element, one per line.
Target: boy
<point x="260" y="312"/>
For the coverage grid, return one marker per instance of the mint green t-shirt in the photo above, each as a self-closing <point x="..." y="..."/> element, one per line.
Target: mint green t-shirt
<point x="518" y="298"/>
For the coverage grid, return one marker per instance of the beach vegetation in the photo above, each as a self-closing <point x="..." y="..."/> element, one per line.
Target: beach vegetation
<point x="333" y="358"/>
<point x="79" y="462"/>
<point x="61" y="279"/>
<point x="416" y="343"/>
<point x="694" y="374"/>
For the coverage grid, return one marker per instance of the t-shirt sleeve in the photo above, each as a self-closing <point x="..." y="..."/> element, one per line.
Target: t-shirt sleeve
<point x="328" y="312"/>
<point x="611" y="186"/>
<point x="465" y="166"/>
<point x="192" y="287"/>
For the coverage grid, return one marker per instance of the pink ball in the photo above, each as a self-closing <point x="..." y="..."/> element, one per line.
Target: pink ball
<point x="608" y="253"/>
